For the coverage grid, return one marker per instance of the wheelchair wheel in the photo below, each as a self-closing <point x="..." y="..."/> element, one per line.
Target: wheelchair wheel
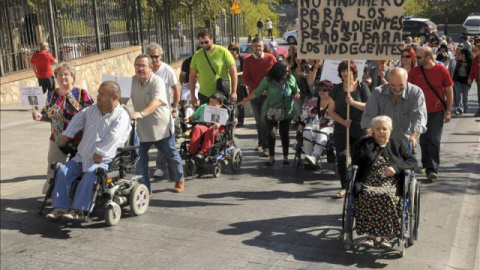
<point x="189" y="167"/>
<point x="402" y="236"/>
<point x="217" y="170"/>
<point x="417" y="212"/>
<point x="113" y="214"/>
<point x="411" y="211"/>
<point x="236" y="159"/>
<point x="139" y="199"/>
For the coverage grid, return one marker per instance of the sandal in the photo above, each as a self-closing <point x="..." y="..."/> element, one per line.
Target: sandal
<point x="269" y="163"/>
<point x="369" y="242"/>
<point x="340" y="195"/>
<point x="385" y="243"/>
<point x="258" y="148"/>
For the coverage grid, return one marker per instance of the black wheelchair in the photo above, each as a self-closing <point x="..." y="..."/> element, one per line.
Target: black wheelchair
<point x="115" y="188"/>
<point x="223" y="154"/>
<point x="409" y="221"/>
<point x="328" y="154"/>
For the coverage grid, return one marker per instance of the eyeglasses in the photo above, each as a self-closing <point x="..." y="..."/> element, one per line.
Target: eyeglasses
<point x="155" y="56"/>
<point x="204" y="43"/>
<point x="140" y="66"/>
<point x="405" y="56"/>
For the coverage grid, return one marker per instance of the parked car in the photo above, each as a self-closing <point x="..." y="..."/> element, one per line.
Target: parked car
<point x="471" y="25"/>
<point x="246" y="50"/>
<point x="291" y="36"/>
<point x="418" y="27"/>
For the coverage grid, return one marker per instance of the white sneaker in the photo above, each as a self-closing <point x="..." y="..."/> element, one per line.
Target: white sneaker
<point x="158" y="173"/>
<point x="311" y="160"/>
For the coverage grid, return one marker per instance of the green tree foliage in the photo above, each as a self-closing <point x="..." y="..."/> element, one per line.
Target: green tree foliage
<point x="442" y="11"/>
<point x="256" y="9"/>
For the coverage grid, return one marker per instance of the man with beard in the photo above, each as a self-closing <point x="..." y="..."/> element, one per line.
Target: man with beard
<point x="211" y="63"/>
<point x="403" y="102"/>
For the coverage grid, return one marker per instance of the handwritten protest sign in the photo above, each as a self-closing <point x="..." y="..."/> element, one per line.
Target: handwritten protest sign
<point x="215" y="115"/>
<point x="32" y="96"/>
<point x="125" y="83"/>
<point x="350" y="29"/>
<point x="330" y="70"/>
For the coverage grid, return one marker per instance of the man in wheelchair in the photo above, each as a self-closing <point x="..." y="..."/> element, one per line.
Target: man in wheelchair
<point x="204" y="132"/>
<point x="106" y="127"/>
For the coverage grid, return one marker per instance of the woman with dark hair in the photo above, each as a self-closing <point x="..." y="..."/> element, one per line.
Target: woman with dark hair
<point x="242" y="92"/>
<point x="337" y="108"/>
<point x="408" y="60"/>
<point x="277" y="109"/>
<point x="315" y="122"/>
<point x="460" y="81"/>
<point x="300" y="70"/>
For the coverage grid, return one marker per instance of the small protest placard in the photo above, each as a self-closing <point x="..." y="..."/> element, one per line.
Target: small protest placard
<point x="350" y="29"/>
<point x="215" y="115"/>
<point x="330" y="70"/>
<point x="32" y="96"/>
<point x="125" y="83"/>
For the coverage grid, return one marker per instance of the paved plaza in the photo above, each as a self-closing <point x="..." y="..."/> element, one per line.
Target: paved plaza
<point x="259" y="218"/>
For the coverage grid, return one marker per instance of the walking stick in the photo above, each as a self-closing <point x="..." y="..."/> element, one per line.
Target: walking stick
<point x="348" y="116"/>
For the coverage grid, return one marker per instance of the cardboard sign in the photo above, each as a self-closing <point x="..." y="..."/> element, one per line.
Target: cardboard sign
<point x="125" y="83"/>
<point x="215" y="115"/>
<point x="330" y="70"/>
<point x="32" y="96"/>
<point x="350" y="29"/>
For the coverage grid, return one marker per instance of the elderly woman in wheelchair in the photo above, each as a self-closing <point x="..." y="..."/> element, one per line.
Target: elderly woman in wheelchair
<point x="378" y="183"/>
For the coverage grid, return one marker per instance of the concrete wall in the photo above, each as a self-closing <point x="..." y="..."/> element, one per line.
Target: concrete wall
<point x="89" y="72"/>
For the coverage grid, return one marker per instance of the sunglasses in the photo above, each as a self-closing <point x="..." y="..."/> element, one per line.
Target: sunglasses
<point x="204" y="43"/>
<point x="405" y="56"/>
<point x="155" y="56"/>
<point x="420" y="57"/>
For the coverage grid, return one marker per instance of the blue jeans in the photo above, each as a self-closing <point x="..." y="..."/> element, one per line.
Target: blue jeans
<point x="64" y="178"/>
<point x="461" y="95"/>
<point x="430" y="142"/>
<point x="259" y="120"/>
<point x="166" y="147"/>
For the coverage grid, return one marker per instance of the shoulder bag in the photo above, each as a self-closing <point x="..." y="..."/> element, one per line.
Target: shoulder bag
<point x="222" y="84"/>
<point x="433" y="89"/>
<point x="276" y="114"/>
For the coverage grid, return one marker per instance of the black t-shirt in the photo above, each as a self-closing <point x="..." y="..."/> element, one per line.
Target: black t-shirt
<point x="338" y="95"/>
<point x="259" y="24"/>
<point x="186" y="68"/>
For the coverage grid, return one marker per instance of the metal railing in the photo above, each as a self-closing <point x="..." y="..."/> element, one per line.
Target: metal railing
<point x="79" y="28"/>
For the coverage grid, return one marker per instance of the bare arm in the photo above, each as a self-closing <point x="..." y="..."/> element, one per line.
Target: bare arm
<point x="176" y="96"/>
<point x="191" y="84"/>
<point x="449" y="93"/>
<point x="233" y="74"/>
<point x="183" y="77"/>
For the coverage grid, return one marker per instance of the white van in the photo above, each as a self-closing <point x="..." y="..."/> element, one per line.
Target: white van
<point x="471" y="26"/>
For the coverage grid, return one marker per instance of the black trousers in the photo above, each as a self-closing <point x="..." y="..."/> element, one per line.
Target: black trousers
<point x="284" y="127"/>
<point x="203" y="99"/>
<point x="241" y="94"/>
<point x="430" y="142"/>
<point x="340" y="141"/>
<point x="47" y="84"/>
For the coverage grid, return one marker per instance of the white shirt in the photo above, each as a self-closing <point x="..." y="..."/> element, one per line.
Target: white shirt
<point x="269" y="25"/>
<point x="102" y="134"/>
<point x="168" y="75"/>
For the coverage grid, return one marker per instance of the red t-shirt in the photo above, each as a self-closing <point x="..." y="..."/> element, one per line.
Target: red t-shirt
<point x="254" y="70"/>
<point x="43" y="61"/>
<point x="439" y="78"/>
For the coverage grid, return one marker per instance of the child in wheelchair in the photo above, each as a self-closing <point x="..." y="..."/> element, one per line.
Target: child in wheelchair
<point x="315" y="125"/>
<point x="203" y="134"/>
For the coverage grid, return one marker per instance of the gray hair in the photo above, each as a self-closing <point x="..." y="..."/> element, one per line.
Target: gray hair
<point x="43" y="45"/>
<point x="67" y="66"/>
<point x="113" y="87"/>
<point x="384" y="119"/>
<point x="154" y="46"/>
<point x="144" y="55"/>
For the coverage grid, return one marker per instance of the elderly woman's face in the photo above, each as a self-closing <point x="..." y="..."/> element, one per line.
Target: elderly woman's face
<point x="64" y="77"/>
<point x="381" y="132"/>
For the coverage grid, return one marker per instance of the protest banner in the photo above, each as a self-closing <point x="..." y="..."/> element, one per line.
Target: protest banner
<point x="215" y="115"/>
<point x="31" y="96"/>
<point x="330" y="70"/>
<point x="125" y="83"/>
<point x="350" y="29"/>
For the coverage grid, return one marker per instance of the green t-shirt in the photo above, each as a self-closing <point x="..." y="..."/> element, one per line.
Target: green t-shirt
<point x="275" y="98"/>
<point x="199" y="112"/>
<point x="220" y="59"/>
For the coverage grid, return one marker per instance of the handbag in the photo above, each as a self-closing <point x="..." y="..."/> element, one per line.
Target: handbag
<point x="433" y="89"/>
<point x="222" y="84"/>
<point x="276" y="114"/>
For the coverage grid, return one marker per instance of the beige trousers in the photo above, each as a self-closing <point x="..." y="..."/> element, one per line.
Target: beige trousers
<point x="54" y="155"/>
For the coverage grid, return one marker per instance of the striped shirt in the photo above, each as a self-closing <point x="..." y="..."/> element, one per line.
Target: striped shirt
<point x="409" y="114"/>
<point x="102" y="134"/>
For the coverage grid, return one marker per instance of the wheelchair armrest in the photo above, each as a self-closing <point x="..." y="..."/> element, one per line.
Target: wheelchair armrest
<point x="127" y="148"/>
<point x="113" y="174"/>
<point x="406" y="182"/>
